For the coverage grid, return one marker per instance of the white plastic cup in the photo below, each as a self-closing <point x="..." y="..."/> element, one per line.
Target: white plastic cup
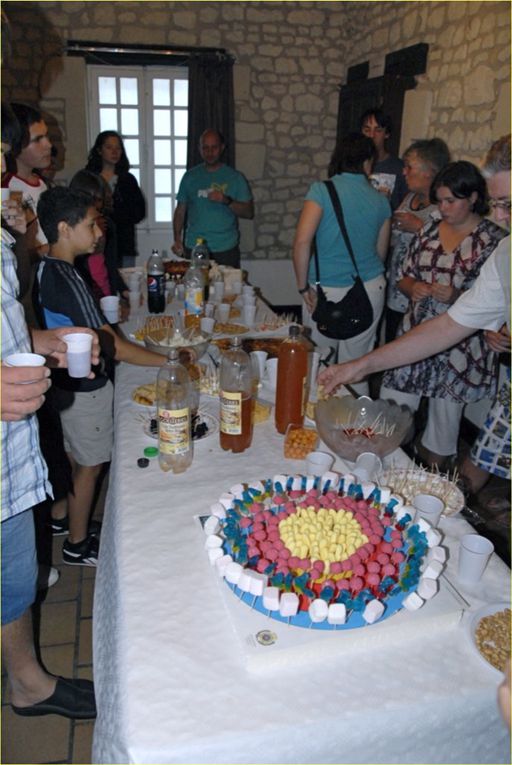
<point x="223" y="310"/>
<point x="249" y="314"/>
<point x="247" y="289"/>
<point x="367" y="466"/>
<point x="78" y="353"/>
<point x="270" y="378"/>
<point x="318" y="463"/>
<point x="236" y="288"/>
<point x="258" y="359"/>
<point x="110" y="307"/>
<point x="218" y="291"/>
<point x="474" y="554"/>
<point x="134" y="298"/>
<point x="207" y="325"/>
<point x="24" y="360"/>
<point x="134" y="281"/>
<point x="5" y="195"/>
<point x="428" y="507"/>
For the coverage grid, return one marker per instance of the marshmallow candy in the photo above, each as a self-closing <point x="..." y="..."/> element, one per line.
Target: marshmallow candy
<point x="211" y="525"/>
<point x="413" y="601"/>
<point x="271" y="598"/>
<point x="437" y="553"/>
<point x="318" y="610"/>
<point x="427" y="588"/>
<point x="333" y="478"/>
<point x="258" y="583"/>
<point x="233" y="571"/>
<point x="222" y="563"/>
<point x="212" y="540"/>
<point x="218" y="510"/>
<point x="214" y="553"/>
<point x="289" y="604"/>
<point x="433" y="570"/>
<point x="337" y="613"/>
<point x="226" y="500"/>
<point x="385" y="494"/>
<point x="373" y="611"/>
<point x="434" y="536"/>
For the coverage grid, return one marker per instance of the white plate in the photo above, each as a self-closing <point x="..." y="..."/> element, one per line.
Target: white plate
<point x="209" y="419"/>
<point x="409" y="482"/>
<point x="471" y="627"/>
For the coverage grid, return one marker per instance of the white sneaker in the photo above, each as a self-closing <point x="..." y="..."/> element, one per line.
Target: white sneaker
<point x="47" y="577"/>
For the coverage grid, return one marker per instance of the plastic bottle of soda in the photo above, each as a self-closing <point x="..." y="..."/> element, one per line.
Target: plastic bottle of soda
<point x="156" y="283"/>
<point x="236" y="386"/>
<point x="201" y="257"/>
<point x="174" y="391"/>
<point x="292" y="376"/>
<point x="193" y="281"/>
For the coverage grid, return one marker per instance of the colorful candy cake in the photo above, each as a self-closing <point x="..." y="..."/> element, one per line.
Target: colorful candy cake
<point x="323" y="552"/>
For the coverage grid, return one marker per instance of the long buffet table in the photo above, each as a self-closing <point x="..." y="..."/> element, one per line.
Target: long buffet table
<point x="171" y="676"/>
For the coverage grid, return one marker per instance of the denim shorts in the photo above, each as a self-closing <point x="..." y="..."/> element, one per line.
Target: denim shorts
<point x="19" y="565"/>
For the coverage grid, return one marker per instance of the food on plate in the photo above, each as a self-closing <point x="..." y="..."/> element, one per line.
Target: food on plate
<point x="224" y="328"/>
<point x="176" y="268"/>
<point x="270" y="345"/>
<point x="492" y="637"/>
<point x="314" y="551"/>
<point x="299" y="442"/>
<point x="154" y="324"/>
<point x="145" y="394"/>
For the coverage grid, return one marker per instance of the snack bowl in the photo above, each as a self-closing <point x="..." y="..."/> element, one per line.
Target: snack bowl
<point x="299" y="441"/>
<point x="162" y="340"/>
<point x="350" y="426"/>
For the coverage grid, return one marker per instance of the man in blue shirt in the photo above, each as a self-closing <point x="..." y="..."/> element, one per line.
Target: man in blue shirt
<point x="211" y="198"/>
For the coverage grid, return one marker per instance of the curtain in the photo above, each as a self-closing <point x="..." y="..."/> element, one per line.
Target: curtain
<point x="210" y="103"/>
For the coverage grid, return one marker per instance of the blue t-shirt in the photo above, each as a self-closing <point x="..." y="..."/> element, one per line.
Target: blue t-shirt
<point x="213" y="221"/>
<point x="364" y="210"/>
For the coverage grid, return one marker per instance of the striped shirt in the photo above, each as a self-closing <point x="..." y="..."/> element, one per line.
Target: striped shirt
<point x="24" y="472"/>
<point x="65" y="300"/>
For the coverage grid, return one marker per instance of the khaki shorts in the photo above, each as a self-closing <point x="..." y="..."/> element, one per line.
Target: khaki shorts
<point x="88" y="424"/>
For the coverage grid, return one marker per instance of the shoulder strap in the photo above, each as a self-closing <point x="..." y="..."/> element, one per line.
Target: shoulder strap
<point x="341" y="220"/>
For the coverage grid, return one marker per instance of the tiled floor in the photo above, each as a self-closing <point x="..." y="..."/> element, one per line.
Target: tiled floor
<point x="66" y="649"/>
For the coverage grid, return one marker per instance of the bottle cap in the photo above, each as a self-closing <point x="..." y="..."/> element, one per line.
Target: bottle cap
<point x="150" y="451"/>
<point x="294" y="330"/>
<point x="142" y="462"/>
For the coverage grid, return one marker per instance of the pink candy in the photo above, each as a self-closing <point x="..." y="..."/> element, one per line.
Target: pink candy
<point x="373" y="567"/>
<point x="262" y="564"/>
<point x="342" y="584"/>
<point x="335" y="568"/>
<point x="293" y="561"/>
<point x="373" y="579"/>
<point x="252" y="552"/>
<point x="357" y="583"/>
<point x="386" y="548"/>
<point x="346" y="565"/>
<point x="359" y="570"/>
<point x="271" y="553"/>
<point x="260" y="536"/>
<point x="389" y="570"/>
<point x="383" y="558"/>
<point x="245" y="522"/>
<point x="398" y="557"/>
<point x="374" y="539"/>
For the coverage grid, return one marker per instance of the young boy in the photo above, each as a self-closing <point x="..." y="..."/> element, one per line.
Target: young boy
<point x="68" y="220"/>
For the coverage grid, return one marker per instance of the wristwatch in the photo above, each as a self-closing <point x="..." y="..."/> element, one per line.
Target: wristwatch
<point x="306" y="289"/>
<point x="228" y="200"/>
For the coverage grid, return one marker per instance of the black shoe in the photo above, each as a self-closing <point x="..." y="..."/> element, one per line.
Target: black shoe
<point x="71" y="698"/>
<point x="83" y="553"/>
<point x="60" y="527"/>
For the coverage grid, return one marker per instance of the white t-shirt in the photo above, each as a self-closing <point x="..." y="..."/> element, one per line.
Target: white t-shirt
<point x="487" y="304"/>
<point x="31" y="194"/>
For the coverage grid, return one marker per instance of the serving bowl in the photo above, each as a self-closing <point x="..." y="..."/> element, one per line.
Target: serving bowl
<point x="163" y="340"/>
<point x="350" y="426"/>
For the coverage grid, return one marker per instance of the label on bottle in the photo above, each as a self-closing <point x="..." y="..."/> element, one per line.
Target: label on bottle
<point x="193" y="301"/>
<point x="156" y="284"/>
<point x="174" y="431"/>
<point x="231" y="412"/>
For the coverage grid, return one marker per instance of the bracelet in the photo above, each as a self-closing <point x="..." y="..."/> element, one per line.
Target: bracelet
<point x="306" y="289"/>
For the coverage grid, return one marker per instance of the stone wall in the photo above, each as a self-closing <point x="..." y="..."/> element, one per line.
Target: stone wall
<point x="291" y="58"/>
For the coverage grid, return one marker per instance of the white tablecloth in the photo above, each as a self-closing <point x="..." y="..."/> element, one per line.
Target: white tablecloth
<point x="171" y="684"/>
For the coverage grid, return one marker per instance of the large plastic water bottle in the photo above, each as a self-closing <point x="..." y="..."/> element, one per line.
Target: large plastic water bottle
<point x="193" y="282"/>
<point x="156" y="283"/>
<point x="174" y="398"/>
<point x="236" y="386"/>
<point x="201" y="258"/>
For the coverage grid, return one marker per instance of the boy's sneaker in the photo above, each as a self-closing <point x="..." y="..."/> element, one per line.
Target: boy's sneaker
<point x="60" y="527"/>
<point x="83" y="553"/>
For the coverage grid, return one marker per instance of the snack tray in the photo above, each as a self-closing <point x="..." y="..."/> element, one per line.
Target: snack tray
<point x="409" y="482"/>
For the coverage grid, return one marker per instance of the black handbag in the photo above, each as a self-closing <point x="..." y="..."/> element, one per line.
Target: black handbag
<point x="353" y="314"/>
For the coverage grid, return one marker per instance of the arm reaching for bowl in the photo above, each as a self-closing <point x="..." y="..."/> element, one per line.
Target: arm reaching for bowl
<point x="425" y="340"/>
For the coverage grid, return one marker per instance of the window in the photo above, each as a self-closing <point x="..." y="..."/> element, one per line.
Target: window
<point x="148" y="106"/>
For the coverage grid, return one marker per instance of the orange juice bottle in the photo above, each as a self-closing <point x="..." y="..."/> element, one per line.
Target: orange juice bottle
<point x="292" y="376"/>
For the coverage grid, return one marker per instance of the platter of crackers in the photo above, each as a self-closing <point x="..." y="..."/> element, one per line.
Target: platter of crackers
<point x="270" y="345"/>
<point x="226" y="328"/>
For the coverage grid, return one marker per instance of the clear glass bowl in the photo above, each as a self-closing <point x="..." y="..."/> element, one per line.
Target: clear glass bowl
<point x="162" y="340"/>
<point x="350" y="426"/>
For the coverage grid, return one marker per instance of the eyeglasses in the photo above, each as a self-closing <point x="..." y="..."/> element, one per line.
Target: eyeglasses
<point x="500" y="204"/>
